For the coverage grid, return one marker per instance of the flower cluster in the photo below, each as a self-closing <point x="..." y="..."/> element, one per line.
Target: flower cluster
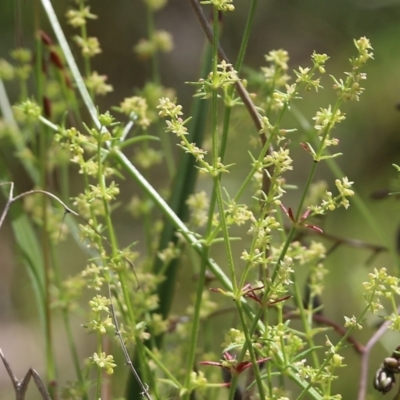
<point x="90" y="47"/>
<point x="175" y="124"/>
<point x="221" y="5"/>
<point x="77" y="18"/>
<point x="31" y="110"/>
<point x="104" y="362"/>
<point x="100" y="305"/>
<point x="305" y="76"/>
<point x="351" y="89"/>
<point x="223" y="80"/>
<point x="381" y="285"/>
<point x="97" y="84"/>
<point x="198" y="204"/>
<point x="136" y="107"/>
<point x="330" y="203"/>
<point x="262" y="230"/>
<point x="160" y="41"/>
<point x="275" y="74"/>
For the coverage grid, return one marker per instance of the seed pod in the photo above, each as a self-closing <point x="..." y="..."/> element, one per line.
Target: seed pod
<point x="46" y="107"/>
<point x="56" y="60"/>
<point x="46" y="39"/>
<point x="380" y="194"/>
<point x="391" y="364"/>
<point x="384" y="380"/>
<point x="396" y="353"/>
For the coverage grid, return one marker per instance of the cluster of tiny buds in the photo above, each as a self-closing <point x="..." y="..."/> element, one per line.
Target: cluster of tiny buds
<point x="385" y="375"/>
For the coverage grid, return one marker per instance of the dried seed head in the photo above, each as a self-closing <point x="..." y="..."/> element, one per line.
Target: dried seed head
<point x="384" y="380"/>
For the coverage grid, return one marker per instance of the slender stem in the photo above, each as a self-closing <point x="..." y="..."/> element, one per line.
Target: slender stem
<point x="307" y="324"/>
<point x="249" y="341"/>
<point x="246" y="35"/>
<point x="195" y="324"/>
<point x="141" y="181"/>
<point x="331" y="354"/>
<point x="215" y="152"/>
<point x="42" y="155"/>
<point x="244" y="95"/>
<point x="155" y="69"/>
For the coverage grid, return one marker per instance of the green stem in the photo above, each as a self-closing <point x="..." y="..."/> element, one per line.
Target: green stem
<point x="121" y="277"/>
<point x="42" y="155"/>
<point x="305" y="192"/>
<point x="230" y="92"/>
<point x="155" y="69"/>
<point x="338" y="173"/>
<point x="152" y="193"/>
<point x="331" y="354"/>
<point x="307" y="325"/>
<point x="195" y="324"/>
<point x="84" y="36"/>
<point x="246" y="35"/>
<point x="249" y="341"/>
<point x="99" y="370"/>
<point x="215" y="152"/>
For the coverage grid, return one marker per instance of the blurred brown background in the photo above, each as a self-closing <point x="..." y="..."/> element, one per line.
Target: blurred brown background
<point x="369" y="138"/>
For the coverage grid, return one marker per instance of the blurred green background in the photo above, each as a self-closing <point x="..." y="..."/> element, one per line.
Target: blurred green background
<point x="369" y="138"/>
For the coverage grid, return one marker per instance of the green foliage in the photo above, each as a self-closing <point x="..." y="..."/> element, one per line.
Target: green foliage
<point x="266" y="246"/>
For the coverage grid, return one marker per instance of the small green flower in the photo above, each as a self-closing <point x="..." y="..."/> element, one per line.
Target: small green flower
<point x="106" y="119"/>
<point x="93" y="275"/>
<point x="304" y="75"/>
<point x="237" y="214"/>
<point x="177" y="126"/>
<point x="90" y="46"/>
<point x="6" y="70"/>
<point x="168" y="109"/>
<point x="352" y="323"/>
<point x="169" y="253"/>
<point x="104" y="362"/>
<point x="97" y="83"/>
<point x="136" y="106"/>
<point x="225" y="78"/>
<point x="363" y="46"/>
<point x="145" y="48"/>
<point x="77" y="18"/>
<point x="325" y="118"/>
<point x="279" y="159"/>
<point x="198" y="380"/>
<point x="22" y="55"/>
<point x="221" y="5"/>
<point x="148" y="157"/>
<point x="155" y="5"/>
<point x="281" y="99"/>
<point x="198" y="204"/>
<point x="279" y="58"/>
<point x="101" y="326"/>
<point x="100" y="303"/>
<point x="319" y="61"/>
<point x="163" y="41"/>
<point x="31" y="110"/>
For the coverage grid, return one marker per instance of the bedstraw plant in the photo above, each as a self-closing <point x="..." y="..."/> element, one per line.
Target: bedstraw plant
<point x="248" y="245"/>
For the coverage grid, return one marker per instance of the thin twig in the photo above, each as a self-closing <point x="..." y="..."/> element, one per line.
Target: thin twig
<point x="338" y="241"/>
<point x="362" y="386"/>
<point x="67" y="210"/>
<point x="241" y="90"/>
<point x="358" y="347"/>
<point x="144" y="386"/>
<point x="20" y="387"/>
<point x="9" y="201"/>
<point x="244" y="95"/>
<point x="12" y="199"/>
